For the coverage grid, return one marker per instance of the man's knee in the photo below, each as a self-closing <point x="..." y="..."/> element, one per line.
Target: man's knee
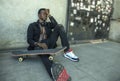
<point x="60" y="27"/>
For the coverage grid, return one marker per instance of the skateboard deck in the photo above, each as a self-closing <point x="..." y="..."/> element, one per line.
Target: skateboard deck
<point x="59" y="72"/>
<point x="23" y="53"/>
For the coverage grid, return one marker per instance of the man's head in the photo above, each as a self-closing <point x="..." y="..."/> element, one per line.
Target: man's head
<point x="42" y="14"/>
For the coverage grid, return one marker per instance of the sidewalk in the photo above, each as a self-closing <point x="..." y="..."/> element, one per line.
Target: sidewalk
<point x="98" y="62"/>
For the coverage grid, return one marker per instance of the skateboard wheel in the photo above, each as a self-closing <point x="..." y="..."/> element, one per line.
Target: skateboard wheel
<point x="20" y="59"/>
<point x="50" y="57"/>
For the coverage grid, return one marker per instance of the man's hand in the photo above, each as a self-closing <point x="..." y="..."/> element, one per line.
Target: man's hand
<point x="48" y="12"/>
<point x="43" y="45"/>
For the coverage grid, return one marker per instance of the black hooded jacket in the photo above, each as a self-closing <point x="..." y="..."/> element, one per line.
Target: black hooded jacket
<point x="33" y="32"/>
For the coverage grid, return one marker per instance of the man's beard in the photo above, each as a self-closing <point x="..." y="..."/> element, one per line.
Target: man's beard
<point x="43" y="23"/>
<point x="44" y="19"/>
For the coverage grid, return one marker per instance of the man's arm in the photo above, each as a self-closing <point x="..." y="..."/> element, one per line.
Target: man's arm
<point x="30" y="38"/>
<point x="53" y="22"/>
<point x="30" y="35"/>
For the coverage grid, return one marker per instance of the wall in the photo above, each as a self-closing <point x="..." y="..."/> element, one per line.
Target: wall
<point x="115" y="31"/>
<point x="116" y="13"/>
<point x="115" y="25"/>
<point x="15" y="16"/>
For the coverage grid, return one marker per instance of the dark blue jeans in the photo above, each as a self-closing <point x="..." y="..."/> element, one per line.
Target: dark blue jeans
<point x="51" y="43"/>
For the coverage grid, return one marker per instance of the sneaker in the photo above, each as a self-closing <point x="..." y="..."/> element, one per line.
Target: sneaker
<point x="70" y="55"/>
<point x="59" y="73"/>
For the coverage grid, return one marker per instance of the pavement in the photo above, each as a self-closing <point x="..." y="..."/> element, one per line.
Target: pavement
<point x="98" y="62"/>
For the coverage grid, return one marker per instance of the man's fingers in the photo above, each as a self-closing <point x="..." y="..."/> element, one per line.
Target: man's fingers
<point x="43" y="45"/>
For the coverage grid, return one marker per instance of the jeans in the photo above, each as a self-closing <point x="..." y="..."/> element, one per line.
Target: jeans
<point x="51" y="42"/>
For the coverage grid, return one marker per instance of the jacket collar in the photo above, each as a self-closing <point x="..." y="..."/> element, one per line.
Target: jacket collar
<point x="42" y="24"/>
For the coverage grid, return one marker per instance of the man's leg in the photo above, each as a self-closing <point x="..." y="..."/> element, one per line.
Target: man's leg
<point x="47" y="63"/>
<point x="56" y="71"/>
<point x="59" y="31"/>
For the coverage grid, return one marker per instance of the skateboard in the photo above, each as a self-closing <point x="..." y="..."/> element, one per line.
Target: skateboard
<point x="59" y="72"/>
<point x="24" y="53"/>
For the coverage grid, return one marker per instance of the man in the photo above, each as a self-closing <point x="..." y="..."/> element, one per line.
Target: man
<point x="43" y="35"/>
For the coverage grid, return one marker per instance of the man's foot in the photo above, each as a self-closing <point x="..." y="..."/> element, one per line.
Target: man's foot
<point x="70" y="55"/>
<point x="59" y="73"/>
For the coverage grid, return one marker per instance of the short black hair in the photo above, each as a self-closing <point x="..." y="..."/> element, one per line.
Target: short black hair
<point x="39" y="11"/>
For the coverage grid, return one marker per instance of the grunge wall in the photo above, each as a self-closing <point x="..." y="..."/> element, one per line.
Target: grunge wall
<point x="15" y="16"/>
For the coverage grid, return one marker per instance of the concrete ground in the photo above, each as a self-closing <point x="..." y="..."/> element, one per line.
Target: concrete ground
<point x="98" y="62"/>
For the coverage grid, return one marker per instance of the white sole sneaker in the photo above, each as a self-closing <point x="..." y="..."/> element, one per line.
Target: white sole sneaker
<point x="72" y="59"/>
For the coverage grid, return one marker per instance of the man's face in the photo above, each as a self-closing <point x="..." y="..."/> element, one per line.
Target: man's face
<point x="43" y="15"/>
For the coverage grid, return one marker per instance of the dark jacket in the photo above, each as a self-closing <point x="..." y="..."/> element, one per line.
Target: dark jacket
<point x="33" y="32"/>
